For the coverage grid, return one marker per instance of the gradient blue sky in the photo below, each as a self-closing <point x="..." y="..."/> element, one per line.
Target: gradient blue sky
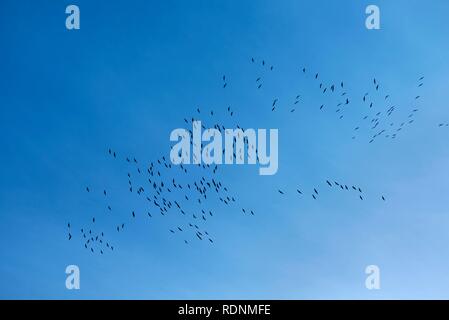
<point x="131" y="74"/>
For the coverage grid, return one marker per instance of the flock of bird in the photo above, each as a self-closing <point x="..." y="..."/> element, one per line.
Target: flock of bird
<point x="165" y="189"/>
<point x="337" y="185"/>
<point x="194" y="192"/>
<point x="375" y="104"/>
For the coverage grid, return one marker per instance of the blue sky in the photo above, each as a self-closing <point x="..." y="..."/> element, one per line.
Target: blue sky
<point x="136" y="69"/>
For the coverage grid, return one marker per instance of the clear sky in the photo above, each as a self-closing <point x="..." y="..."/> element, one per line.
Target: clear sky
<point x="136" y="69"/>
